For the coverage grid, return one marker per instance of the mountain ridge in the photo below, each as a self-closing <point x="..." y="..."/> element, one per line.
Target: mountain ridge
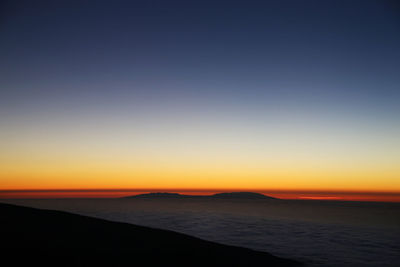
<point x="225" y="195"/>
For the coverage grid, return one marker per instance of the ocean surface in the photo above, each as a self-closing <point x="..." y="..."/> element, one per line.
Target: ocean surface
<point x="318" y="233"/>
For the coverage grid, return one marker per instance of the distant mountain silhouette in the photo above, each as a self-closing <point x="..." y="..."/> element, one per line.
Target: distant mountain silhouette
<point x="160" y="195"/>
<point x="232" y="195"/>
<point x="242" y="195"/>
<point x="31" y="237"/>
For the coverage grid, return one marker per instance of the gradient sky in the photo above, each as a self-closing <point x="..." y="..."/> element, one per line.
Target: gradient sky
<point x="282" y="95"/>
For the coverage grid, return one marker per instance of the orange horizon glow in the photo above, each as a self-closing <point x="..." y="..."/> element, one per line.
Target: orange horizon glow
<point x="282" y="194"/>
<point x="294" y="162"/>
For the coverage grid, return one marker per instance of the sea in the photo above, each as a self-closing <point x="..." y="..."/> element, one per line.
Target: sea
<point x="316" y="232"/>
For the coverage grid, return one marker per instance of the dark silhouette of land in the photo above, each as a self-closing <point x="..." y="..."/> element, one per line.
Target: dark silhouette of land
<point x="162" y="195"/>
<point x="31" y="237"/>
<point x="241" y="195"/>
<point x="232" y="195"/>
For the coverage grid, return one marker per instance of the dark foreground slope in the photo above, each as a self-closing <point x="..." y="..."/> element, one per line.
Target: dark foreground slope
<point x="31" y="237"/>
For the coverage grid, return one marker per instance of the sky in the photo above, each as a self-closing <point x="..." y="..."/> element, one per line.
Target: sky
<point x="196" y="95"/>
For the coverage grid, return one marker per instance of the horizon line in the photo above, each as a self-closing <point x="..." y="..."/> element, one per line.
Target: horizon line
<point x="339" y="195"/>
<point x="207" y="190"/>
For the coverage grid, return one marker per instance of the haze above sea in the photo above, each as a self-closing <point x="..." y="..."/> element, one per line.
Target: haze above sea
<point x="318" y="233"/>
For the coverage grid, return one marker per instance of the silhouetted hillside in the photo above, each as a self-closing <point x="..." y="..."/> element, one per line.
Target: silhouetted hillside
<point x="160" y="195"/>
<point x="31" y="237"/>
<point x="232" y="195"/>
<point x="241" y="195"/>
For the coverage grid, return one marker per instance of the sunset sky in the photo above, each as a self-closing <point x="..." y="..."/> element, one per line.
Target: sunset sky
<point x="286" y="96"/>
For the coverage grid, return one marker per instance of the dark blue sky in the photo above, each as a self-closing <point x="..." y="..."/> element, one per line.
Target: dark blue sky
<point x="250" y="60"/>
<point x="151" y="58"/>
<point x="328" y="49"/>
